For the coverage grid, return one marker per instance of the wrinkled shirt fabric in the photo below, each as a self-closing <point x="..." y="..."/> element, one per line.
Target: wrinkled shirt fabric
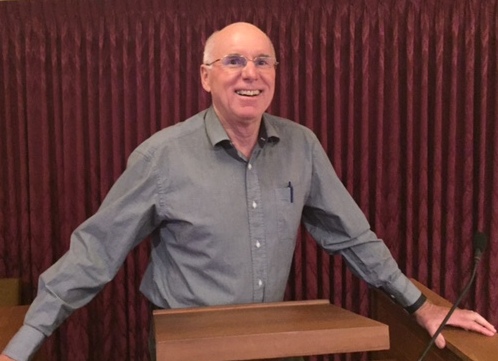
<point x="223" y="227"/>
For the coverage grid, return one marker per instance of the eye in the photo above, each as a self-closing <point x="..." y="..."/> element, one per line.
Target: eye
<point x="234" y="61"/>
<point x="262" y="62"/>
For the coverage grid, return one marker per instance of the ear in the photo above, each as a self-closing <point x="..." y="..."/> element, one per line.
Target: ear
<point x="205" y="78"/>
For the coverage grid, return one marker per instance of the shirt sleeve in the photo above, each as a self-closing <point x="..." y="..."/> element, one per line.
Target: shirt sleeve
<point x="97" y="250"/>
<point x="338" y="224"/>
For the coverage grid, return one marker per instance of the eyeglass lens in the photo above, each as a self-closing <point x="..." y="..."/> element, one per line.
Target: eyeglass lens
<point x="239" y="61"/>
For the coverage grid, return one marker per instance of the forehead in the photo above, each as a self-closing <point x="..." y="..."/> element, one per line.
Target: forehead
<point x="248" y="41"/>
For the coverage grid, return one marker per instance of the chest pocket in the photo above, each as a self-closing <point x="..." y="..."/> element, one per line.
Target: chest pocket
<point x="289" y="202"/>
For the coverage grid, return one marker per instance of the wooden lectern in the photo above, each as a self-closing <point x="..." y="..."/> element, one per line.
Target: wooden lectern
<point x="409" y="340"/>
<point x="263" y="331"/>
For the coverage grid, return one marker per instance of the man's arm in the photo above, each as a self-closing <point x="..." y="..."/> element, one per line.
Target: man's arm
<point x="98" y="248"/>
<point x="430" y="316"/>
<point x="338" y="231"/>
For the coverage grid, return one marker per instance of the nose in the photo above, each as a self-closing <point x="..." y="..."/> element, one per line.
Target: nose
<point x="250" y="71"/>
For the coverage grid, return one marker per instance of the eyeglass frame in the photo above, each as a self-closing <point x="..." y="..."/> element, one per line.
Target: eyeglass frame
<point x="247" y="60"/>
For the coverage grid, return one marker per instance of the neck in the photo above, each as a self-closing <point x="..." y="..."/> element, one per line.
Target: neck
<point x="243" y="135"/>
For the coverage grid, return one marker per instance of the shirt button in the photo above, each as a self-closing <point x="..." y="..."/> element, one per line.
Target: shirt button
<point x="249" y="166"/>
<point x="260" y="283"/>
<point x="254" y="204"/>
<point x="258" y="244"/>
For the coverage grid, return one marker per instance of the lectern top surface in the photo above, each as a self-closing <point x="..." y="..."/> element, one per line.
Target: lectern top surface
<point x="262" y="331"/>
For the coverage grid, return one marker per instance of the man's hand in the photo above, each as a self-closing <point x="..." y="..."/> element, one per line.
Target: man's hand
<point x="430" y="317"/>
<point x="5" y="358"/>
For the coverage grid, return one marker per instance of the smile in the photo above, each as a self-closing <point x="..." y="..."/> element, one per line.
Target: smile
<point x="248" y="93"/>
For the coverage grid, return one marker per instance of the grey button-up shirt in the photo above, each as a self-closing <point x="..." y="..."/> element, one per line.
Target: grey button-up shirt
<point x="224" y="227"/>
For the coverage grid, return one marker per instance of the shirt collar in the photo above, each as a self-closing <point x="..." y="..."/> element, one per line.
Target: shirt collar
<point x="217" y="134"/>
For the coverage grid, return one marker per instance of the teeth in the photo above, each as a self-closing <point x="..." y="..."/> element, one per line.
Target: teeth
<point x="250" y="93"/>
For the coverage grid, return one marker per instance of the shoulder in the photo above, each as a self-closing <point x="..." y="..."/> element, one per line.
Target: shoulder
<point x="287" y="129"/>
<point x="184" y="132"/>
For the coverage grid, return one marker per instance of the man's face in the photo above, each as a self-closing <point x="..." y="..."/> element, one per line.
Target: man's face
<point x="240" y="95"/>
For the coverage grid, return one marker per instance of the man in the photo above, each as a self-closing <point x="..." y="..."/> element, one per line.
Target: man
<point x="225" y="192"/>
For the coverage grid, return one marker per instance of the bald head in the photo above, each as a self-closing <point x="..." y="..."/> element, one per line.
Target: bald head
<point x="230" y="31"/>
<point x="240" y="94"/>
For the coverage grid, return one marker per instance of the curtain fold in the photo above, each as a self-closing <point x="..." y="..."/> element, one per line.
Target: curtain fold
<point x="402" y="95"/>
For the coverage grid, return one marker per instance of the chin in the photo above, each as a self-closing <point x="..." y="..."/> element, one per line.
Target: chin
<point x="250" y="114"/>
<point x="250" y="117"/>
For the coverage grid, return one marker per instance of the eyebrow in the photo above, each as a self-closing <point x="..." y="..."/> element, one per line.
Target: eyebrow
<point x="261" y="55"/>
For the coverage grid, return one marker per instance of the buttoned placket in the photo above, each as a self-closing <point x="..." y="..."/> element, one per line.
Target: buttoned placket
<point x="256" y="229"/>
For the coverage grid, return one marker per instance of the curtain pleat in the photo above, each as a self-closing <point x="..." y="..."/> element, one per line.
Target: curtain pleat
<point x="402" y="94"/>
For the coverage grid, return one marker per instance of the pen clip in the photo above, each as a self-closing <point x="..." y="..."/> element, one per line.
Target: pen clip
<point x="291" y="190"/>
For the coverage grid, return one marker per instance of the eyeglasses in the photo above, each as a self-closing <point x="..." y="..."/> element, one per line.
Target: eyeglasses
<point x="235" y="61"/>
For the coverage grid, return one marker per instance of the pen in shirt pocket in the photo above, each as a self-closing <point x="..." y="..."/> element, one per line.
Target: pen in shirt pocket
<point x="291" y="191"/>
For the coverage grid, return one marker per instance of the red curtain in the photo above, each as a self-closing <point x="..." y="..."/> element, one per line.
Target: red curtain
<point x="402" y="94"/>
